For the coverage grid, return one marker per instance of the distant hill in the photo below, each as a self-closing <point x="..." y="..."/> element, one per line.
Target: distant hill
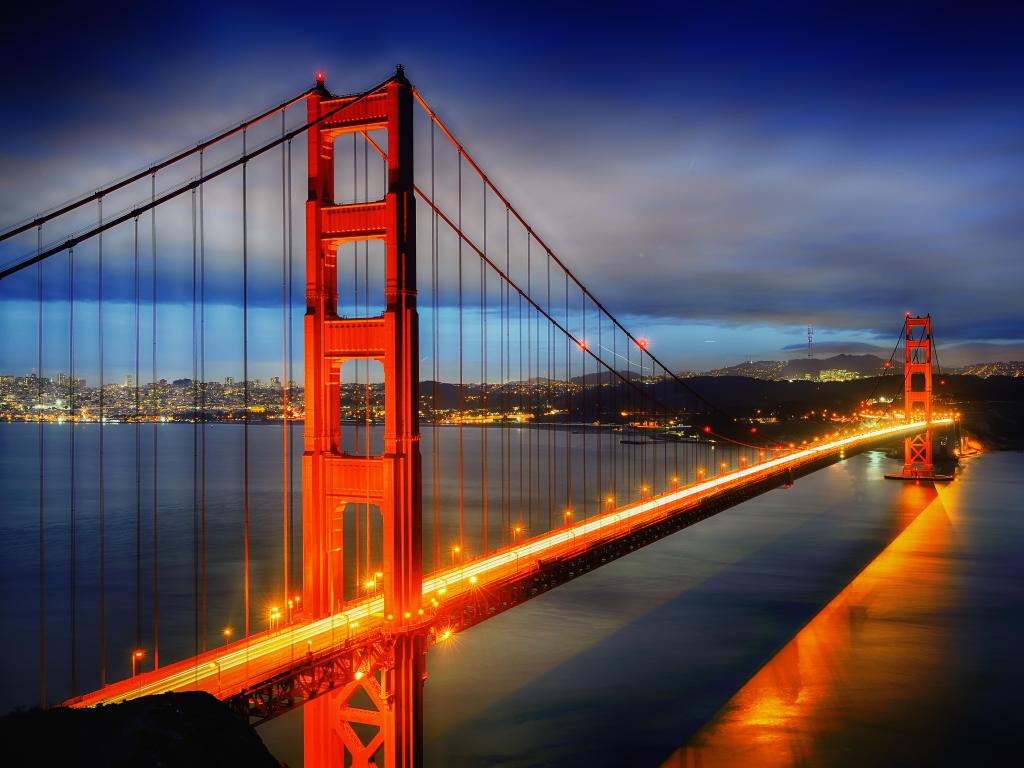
<point x="803" y="367"/>
<point x="800" y="367"/>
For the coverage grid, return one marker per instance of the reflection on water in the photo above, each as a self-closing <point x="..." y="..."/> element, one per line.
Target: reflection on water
<point x="916" y="662"/>
<point x="869" y="655"/>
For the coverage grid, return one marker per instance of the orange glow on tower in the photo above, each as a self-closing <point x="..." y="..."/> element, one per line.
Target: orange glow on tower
<point x="331" y="478"/>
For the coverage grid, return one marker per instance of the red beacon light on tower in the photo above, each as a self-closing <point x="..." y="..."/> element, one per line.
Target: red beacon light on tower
<point x="320" y="77"/>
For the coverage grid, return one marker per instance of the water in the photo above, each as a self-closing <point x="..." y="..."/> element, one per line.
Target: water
<point x="844" y="620"/>
<point x="523" y="475"/>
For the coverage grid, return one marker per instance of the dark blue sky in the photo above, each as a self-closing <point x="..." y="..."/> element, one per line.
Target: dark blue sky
<point x="722" y="174"/>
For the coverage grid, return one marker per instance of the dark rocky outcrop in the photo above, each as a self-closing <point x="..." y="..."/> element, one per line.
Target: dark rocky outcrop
<point x="173" y="729"/>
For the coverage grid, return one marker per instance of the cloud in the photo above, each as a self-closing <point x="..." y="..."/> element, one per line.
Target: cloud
<point x="747" y="170"/>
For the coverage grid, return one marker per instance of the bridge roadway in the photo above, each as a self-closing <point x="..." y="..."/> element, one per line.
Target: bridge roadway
<point x="225" y="670"/>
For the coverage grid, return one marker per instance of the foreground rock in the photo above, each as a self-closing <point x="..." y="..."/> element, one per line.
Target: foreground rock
<point x="173" y="729"/>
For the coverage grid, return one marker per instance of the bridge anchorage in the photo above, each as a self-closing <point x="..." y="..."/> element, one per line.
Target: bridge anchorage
<point x="918" y="343"/>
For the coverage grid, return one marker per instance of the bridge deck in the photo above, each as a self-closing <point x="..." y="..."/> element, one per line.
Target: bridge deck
<point x="227" y="670"/>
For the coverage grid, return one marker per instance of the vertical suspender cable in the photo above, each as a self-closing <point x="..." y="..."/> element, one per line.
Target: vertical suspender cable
<point x="156" y="419"/>
<point x="195" y="434"/>
<point x="359" y="581"/>
<point x="529" y="395"/>
<point x="202" y="411"/>
<point x="519" y="403"/>
<point x="550" y="400"/>
<point x="506" y="520"/>
<point x="435" y="339"/>
<point x="583" y="402"/>
<point x="611" y="409"/>
<point x="462" y="413"/>
<point x="600" y="417"/>
<point x="291" y="353"/>
<point x="138" y="444"/>
<point x="245" y="384"/>
<point x="285" y="453"/>
<point x="366" y="366"/>
<point x="568" y="405"/>
<point x="102" y="489"/>
<point x="42" y="485"/>
<point x="643" y="448"/>
<point x="72" y="564"/>
<point x="484" y="427"/>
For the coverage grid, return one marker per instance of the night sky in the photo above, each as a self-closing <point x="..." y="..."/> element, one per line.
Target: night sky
<point x="719" y="174"/>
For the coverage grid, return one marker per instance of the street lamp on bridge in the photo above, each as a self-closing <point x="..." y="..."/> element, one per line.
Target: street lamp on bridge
<point x="136" y="658"/>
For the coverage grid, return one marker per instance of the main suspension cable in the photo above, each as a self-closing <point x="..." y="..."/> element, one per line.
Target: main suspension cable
<point x="99" y="194"/>
<point x="185" y="187"/>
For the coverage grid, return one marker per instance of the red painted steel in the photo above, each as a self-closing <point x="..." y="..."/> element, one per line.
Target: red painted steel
<point x="917" y="399"/>
<point x="332" y="480"/>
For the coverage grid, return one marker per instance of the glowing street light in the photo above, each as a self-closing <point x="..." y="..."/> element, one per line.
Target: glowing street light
<point x="227" y="635"/>
<point x="455" y="550"/>
<point x="136" y="658"/>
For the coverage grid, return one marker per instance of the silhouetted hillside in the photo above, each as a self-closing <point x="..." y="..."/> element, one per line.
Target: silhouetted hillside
<point x="174" y="729"/>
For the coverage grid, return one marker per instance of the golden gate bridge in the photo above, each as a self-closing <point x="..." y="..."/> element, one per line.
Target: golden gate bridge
<point x="407" y="536"/>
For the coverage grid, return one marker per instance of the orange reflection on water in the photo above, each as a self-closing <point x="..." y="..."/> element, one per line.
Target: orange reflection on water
<point x="856" y="670"/>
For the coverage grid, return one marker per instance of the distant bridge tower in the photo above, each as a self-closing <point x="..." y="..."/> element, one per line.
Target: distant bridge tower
<point x="385" y="696"/>
<point x="917" y="399"/>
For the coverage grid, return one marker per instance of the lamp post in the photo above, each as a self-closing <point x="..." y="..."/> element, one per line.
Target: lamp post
<point x="227" y="635"/>
<point x="136" y="657"/>
<point x="216" y="665"/>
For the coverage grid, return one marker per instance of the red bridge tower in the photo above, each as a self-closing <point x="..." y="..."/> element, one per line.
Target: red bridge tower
<point x="917" y="399"/>
<point x="385" y="699"/>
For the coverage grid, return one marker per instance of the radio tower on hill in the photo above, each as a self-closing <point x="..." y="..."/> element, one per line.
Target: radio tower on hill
<point x="810" y="338"/>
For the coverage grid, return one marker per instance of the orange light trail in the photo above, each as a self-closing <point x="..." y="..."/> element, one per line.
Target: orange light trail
<point x="196" y="673"/>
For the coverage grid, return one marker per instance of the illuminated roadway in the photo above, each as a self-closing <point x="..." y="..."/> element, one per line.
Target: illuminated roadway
<point x="225" y="670"/>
